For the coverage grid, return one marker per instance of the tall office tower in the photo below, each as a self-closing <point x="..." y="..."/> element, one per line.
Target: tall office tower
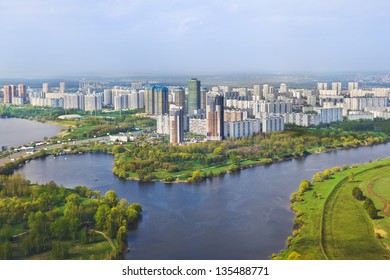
<point x="176" y="125"/>
<point x="180" y="97"/>
<point x="156" y="100"/>
<point x="45" y="87"/>
<point x="62" y="87"/>
<point x="257" y="92"/>
<point x="283" y="88"/>
<point x="265" y="90"/>
<point x="353" y="86"/>
<point x="22" y="92"/>
<point x="7" y="94"/>
<point x="336" y="87"/>
<point x="214" y="116"/>
<point x="322" y="86"/>
<point x="203" y="97"/>
<point x="193" y="100"/>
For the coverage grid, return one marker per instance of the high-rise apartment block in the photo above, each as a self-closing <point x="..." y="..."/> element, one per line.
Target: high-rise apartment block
<point x="156" y="100"/>
<point x="353" y="86"/>
<point x="337" y="87"/>
<point x="257" y="92"/>
<point x="193" y="100"/>
<point x="176" y="125"/>
<point x="180" y="97"/>
<point x="7" y="94"/>
<point x="322" y="86"/>
<point x="46" y="87"/>
<point x="22" y="91"/>
<point x="214" y="116"/>
<point x="62" y="88"/>
<point x="283" y="88"/>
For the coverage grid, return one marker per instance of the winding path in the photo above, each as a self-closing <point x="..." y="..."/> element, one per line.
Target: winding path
<point x="107" y="238"/>
<point x="385" y="202"/>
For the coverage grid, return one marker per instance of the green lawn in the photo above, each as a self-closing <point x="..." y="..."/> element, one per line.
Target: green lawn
<point x="348" y="232"/>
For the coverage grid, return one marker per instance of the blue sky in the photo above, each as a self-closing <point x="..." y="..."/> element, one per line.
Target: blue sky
<point x="126" y="37"/>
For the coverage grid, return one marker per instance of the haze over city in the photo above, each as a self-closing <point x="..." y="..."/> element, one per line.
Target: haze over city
<point x="123" y="37"/>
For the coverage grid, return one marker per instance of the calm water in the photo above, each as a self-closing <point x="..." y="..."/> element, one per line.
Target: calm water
<point x="16" y="132"/>
<point x="238" y="216"/>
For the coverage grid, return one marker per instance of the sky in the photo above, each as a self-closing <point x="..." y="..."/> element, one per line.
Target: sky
<point x="128" y="37"/>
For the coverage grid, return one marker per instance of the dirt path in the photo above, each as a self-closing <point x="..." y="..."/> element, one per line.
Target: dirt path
<point x="385" y="202"/>
<point x="106" y="237"/>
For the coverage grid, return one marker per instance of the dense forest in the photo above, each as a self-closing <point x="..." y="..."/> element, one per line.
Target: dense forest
<point x="52" y="222"/>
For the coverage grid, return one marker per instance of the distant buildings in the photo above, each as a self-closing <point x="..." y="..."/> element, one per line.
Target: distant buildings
<point x="11" y="96"/>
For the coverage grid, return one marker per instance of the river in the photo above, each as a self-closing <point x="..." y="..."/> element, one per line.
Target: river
<point x="244" y="215"/>
<point x="16" y="132"/>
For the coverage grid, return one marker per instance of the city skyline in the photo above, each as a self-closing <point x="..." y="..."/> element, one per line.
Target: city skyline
<point x="191" y="37"/>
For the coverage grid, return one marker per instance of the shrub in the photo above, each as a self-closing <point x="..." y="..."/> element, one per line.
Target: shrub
<point x="357" y="193"/>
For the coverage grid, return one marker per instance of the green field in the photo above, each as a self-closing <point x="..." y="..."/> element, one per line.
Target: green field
<point x="331" y="224"/>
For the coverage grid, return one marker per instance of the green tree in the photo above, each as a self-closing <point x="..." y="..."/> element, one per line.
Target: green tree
<point x="101" y="216"/>
<point x="318" y="177"/>
<point x="357" y="193"/>
<point x="5" y="250"/>
<point x="351" y="177"/>
<point x="327" y="173"/>
<point x="111" y="198"/>
<point x="304" y="186"/>
<point x="336" y="169"/>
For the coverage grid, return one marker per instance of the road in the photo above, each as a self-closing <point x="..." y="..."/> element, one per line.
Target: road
<point x="17" y="155"/>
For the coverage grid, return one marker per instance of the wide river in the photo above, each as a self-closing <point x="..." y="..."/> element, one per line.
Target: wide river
<point x="244" y="215"/>
<point x="16" y="132"/>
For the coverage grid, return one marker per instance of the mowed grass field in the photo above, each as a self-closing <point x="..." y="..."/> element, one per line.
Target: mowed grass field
<point x="334" y="225"/>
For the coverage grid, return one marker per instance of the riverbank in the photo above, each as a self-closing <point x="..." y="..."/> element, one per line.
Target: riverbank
<point x="331" y="224"/>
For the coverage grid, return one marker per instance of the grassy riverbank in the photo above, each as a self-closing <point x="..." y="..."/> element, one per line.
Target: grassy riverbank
<point x="331" y="224"/>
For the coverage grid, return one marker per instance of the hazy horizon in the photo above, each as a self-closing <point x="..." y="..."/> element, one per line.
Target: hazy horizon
<point x="45" y="38"/>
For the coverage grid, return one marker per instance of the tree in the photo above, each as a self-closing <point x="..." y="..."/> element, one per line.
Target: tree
<point x="318" y="177"/>
<point x="121" y="236"/>
<point x="60" y="228"/>
<point x="327" y="173"/>
<point x="351" y="177"/>
<point x="304" y="186"/>
<point x="60" y="250"/>
<point x="357" y="193"/>
<point x="345" y="167"/>
<point x="5" y="250"/>
<point x="336" y="169"/>
<point x="101" y="216"/>
<point x="369" y="206"/>
<point x="111" y="198"/>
